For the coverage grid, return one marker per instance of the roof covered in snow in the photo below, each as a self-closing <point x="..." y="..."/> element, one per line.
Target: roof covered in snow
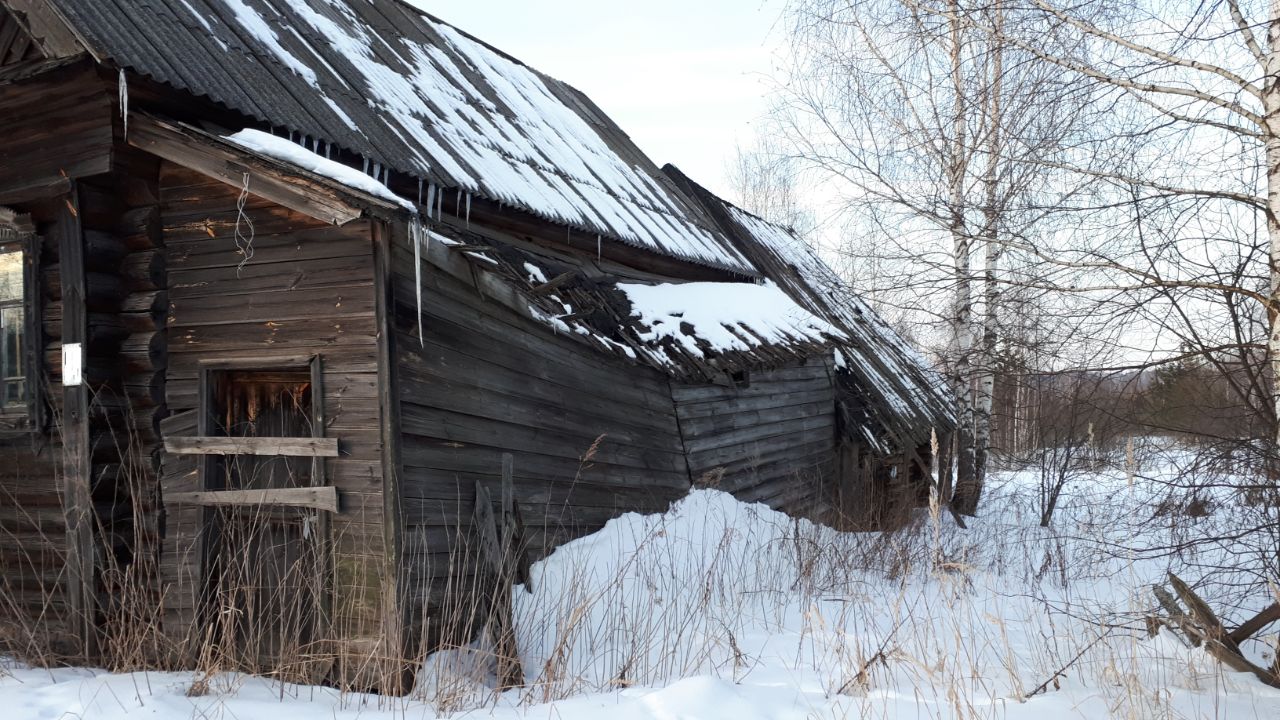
<point x="905" y="395"/>
<point x="413" y="94"/>
<point x="697" y="331"/>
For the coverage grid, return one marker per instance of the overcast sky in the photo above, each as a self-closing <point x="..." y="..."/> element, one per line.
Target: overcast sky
<point x="686" y="79"/>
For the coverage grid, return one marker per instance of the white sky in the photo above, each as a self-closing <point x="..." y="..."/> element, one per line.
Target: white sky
<point x="686" y="79"/>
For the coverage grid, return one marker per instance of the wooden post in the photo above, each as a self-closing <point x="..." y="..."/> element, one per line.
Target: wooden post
<point x="398" y="679"/>
<point x="76" y="464"/>
<point x="324" y="523"/>
<point x="499" y="536"/>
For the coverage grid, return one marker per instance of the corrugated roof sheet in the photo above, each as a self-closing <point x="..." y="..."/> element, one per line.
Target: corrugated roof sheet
<point x="414" y="94"/>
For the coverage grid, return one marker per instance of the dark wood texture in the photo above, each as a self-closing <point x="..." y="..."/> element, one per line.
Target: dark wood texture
<point x="307" y="291"/>
<point x="54" y="126"/>
<point x="772" y="441"/>
<point x="33" y="528"/>
<point x="590" y="437"/>
<point x="76" y="451"/>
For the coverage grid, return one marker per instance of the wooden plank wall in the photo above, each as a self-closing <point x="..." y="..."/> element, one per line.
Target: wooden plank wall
<point x="53" y="127"/>
<point x="307" y="289"/>
<point x="483" y="381"/>
<point x="773" y="441"/>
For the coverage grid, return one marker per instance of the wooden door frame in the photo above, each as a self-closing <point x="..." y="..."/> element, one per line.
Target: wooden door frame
<point x="314" y="363"/>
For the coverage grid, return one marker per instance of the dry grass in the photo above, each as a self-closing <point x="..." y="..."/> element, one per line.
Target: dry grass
<point x="971" y="620"/>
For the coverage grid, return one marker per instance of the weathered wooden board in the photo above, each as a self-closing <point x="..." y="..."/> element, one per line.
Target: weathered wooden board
<point x="773" y="441"/>
<point x="282" y="446"/>
<point x="319" y="498"/>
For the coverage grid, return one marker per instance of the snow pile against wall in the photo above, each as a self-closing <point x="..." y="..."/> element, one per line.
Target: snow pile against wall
<point x="284" y="150"/>
<point x="720" y="609"/>
<point x="724" y="317"/>
<point x="931" y="622"/>
<point x="413" y="94"/>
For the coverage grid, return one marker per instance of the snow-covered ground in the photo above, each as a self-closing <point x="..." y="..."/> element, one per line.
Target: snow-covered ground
<point x="719" y="609"/>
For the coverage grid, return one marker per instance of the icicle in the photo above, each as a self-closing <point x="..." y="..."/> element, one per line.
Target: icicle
<point x="598" y="253"/>
<point x="366" y="166"/>
<point x="124" y="102"/>
<point x="377" y="170"/>
<point x="419" y="191"/>
<point x="418" y="237"/>
<point x="468" y="211"/>
<point x="431" y="197"/>
<point x="457" y="203"/>
<point x="440" y="204"/>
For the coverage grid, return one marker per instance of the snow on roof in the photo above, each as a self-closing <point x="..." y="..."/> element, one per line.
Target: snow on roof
<point x="884" y="360"/>
<point x="287" y="151"/>
<point x="411" y="93"/>
<point x="727" y="317"/>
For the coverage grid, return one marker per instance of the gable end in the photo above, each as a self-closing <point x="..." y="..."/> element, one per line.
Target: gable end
<point x="16" y="44"/>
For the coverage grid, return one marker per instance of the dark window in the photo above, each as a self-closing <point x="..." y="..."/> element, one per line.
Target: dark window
<point x="741" y="379"/>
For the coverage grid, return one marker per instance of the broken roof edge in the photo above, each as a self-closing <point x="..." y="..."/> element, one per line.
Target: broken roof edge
<point x="922" y="388"/>
<point x="597" y="309"/>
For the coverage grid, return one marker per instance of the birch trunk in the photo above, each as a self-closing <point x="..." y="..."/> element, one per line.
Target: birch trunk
<point x="1271" y="132"/>
<point x="965" y="498"/>
<point x="985" y="386"/>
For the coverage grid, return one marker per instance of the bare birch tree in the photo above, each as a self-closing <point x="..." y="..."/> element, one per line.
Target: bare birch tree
<point x="1191" y="152"/>
<point x="919" y="122"/>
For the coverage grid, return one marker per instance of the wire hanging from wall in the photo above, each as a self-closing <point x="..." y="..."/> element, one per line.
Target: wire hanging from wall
<point x="244" y="243"/>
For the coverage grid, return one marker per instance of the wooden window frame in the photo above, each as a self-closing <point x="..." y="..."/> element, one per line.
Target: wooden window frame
<point x="18" y="235"/>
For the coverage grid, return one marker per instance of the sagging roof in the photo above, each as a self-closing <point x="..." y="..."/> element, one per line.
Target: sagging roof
<point x="908" y="396"/>
<point x="696" y="332"/>
<point x="413" y="94"/>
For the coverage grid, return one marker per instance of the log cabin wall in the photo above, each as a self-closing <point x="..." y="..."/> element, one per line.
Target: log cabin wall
<point x="591" y="437"/>
<point x="769" y="438"/>
<point x="55" y="127"/>
<point x="293" y="289"/>
<point x="35" y="612"/>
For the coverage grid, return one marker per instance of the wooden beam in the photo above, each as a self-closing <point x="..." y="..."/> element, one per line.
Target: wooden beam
<point x="1251" y="626"/>
<point x="76" y="462"/>
<point x="318" y="498"/>
<point x="49" y="29"/>
<point x="277" y="446"/>
<point x="287" y="185"/>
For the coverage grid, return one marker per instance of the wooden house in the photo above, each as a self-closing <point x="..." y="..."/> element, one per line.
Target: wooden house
<point x="287" y="284"/>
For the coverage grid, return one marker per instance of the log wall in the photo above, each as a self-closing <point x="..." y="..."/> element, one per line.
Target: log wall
<point x="33" y="601"/>
<point x="54" y="128"/>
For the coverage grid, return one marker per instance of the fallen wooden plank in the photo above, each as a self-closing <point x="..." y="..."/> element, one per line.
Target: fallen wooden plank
<point x="319" y="498"/>
<point x="273" y="446"/>
<point x="1251" y="626"/>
